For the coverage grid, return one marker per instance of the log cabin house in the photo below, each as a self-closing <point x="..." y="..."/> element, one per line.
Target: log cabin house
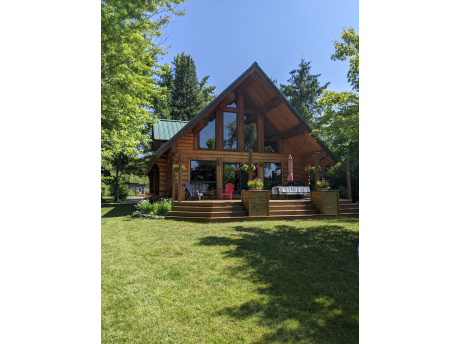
<point x="250" y="114"/>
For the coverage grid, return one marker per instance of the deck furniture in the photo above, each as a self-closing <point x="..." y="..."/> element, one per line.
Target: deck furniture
<point x="228" y="191"/>
<point x="291" y="190"/>
<point x="193" y="193"/>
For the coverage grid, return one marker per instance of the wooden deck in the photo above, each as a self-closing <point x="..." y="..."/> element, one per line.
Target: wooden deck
<point x="234" y="211"/>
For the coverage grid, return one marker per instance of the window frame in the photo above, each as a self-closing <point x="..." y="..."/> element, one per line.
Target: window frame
<point x="281" y="174"/>
<point x="257" y="133"/>
<point x="204" y="181"/>
<point x="223" y="128"/>
<point x="278" y="137"/>
<point x="215" y="136"/>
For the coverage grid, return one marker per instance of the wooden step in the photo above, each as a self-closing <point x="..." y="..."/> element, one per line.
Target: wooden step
<point x="292" y="207"/>
<point x="260" y="218"/>
<point x="209" y="209"/>
<point x="349" y="211"/>
<point x="349" y="206"/>
<point x="208" y="214"/>
<point x="207" y="203"/>
<point x="293" y="212"/>
<point x="345" y="201"/>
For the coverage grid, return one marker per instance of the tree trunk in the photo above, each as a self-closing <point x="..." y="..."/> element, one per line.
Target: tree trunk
<point x="117" y="180"/>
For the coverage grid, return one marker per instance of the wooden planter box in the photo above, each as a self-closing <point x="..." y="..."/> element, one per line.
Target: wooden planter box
<point x="256" y="202"/>
<point x="326" y="201"/>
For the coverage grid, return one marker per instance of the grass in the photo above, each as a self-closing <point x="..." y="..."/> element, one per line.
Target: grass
<point x="110" y="199"/>
<point x="248" y="282"/>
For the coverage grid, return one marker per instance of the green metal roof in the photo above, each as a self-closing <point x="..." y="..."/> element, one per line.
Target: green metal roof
<point x="167" y="128"/>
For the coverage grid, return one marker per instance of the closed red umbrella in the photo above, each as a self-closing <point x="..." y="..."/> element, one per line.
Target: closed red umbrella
<point x="290" y="177"/>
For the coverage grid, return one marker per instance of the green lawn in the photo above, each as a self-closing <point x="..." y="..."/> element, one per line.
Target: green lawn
<point x="255" y="282"/>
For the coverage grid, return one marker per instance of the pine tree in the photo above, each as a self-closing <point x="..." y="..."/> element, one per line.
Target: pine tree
<point x="303" y="91"/>
<point x="188" y="96"/>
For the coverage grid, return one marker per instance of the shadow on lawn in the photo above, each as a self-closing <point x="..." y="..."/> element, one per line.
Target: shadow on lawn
<point x="118" y="210"/>
<point x="310" y="277"/>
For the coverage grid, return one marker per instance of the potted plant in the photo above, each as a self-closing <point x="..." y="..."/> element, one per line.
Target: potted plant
<point x="245" y="168"/>
<point x="310" y="169"/>
<point x="255" y="185"/>
<point x="175" y="167"/>
<point x="322" y="184"/>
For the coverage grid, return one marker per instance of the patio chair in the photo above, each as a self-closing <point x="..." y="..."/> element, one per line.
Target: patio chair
<point x="193" y="193"/>
<point x="228" y="191"/>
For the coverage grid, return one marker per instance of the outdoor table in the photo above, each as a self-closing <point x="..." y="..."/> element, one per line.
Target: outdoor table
<point x="291" y="190"/>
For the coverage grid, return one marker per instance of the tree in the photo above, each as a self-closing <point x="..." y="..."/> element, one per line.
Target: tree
<point x="338" y="126"/>
<point x="129" y="62"/>
<point x="349" y="48"/>
<point x="188" y="96"/>
<point x="303" y="92"/>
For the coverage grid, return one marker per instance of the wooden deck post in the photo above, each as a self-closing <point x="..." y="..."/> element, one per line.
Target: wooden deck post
<point x="179" y="186"/>
<point x="323" y="170"/>
<point x="240" y="122"/>
<point x="348" y="177"/>
<point x="174" y="192"/>
<point x="317" y="177"/>
<point x="250" y="168"/>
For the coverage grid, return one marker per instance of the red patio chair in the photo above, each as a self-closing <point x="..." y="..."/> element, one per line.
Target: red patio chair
<point x="228" y="191"/>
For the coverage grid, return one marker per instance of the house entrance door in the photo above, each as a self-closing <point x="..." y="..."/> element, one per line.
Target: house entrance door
<point x="231" y="175"/>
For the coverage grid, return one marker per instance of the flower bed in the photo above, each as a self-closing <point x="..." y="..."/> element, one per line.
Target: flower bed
<point x="154" y="206"/>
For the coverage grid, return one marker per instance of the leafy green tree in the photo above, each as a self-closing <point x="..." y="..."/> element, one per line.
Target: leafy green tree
<point x="188" y="96"/>
<point x="349" y="48"/>
<point x="303" y="91"/>
<point x="161" y="106"/>
<point x="338" y="126"/>
<point x="129" y="63"/>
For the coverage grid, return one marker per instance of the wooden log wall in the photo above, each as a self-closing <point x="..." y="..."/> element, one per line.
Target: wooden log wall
<point x="279" y="116"/>
<point x="163" y="175"/>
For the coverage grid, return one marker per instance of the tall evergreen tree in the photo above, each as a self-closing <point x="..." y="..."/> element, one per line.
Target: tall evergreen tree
<point x="188" y="95"/>
<point x="303" y="91"/>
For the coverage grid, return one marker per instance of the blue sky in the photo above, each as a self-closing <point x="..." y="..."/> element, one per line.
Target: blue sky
<point x="226" y="37"/>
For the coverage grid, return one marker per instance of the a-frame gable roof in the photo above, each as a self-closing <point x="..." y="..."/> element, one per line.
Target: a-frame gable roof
<point x="239" y="82"/>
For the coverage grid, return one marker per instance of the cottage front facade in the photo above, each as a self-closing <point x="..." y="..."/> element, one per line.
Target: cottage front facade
<point x="251" y="114"/>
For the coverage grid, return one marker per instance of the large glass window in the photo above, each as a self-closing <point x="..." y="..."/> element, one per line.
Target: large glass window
<point x="271" y="138"/>
<point x="230" y="131"/>
<point x="207" y="136"/>
<point x="272" y="175"/>
<point x="238" y="178"/>
<point x="203" y="175"/>
<point x="248" y="103"/>
<point x="232" y="175"/>
<point x="250" y="131"/>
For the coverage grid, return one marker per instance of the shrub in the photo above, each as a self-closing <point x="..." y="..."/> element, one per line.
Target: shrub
<point x="104" y="189"/>
<point x="164" y="207"/>
<point x="123" y="193"/>
<point x="130" y="192"/>
<point x="343" y="192"/>
<point x="145" y="207"/>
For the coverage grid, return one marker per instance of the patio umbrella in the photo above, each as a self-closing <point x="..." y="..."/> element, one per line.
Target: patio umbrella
<point x="290" y="177"/>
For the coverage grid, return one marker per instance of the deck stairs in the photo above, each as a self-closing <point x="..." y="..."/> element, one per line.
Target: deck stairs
<point x="348" y="209"/>
<point x="234" y="211"/>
